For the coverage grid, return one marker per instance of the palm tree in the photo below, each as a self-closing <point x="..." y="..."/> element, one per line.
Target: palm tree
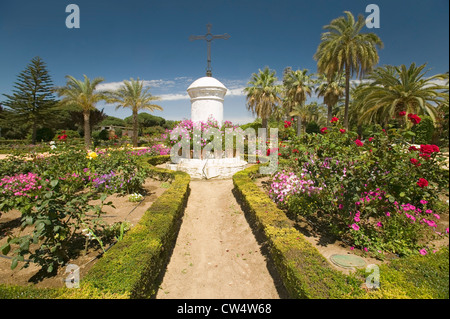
<point x="263" y="94"/>
<point x="399" y="89"/>
<point x="298" y="86"/>
<point x="331" y="89"/>
<point x="83" y="95"/>
<point x="133" y="95"/>
<point x="344" y="49"/>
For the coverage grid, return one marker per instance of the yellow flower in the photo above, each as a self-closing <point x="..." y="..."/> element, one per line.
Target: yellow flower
<point x="92" y="155"/>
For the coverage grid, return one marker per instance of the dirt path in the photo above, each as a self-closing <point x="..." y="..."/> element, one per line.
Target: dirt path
<point x="216" y="254"/>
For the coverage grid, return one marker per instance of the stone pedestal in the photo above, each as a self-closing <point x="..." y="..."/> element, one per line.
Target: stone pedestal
<point x="219" y="168"/>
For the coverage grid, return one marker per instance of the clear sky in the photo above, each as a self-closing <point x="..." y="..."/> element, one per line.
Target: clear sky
<point x="149" y="39"/>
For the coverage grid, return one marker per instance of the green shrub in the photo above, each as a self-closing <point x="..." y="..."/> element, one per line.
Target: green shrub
<point x="424" y="131"/>
<point x="44" y="134"/>
<point x="312" y="127"/>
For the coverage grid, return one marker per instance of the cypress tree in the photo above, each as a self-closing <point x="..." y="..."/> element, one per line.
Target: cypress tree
<point x="32" y="101"/>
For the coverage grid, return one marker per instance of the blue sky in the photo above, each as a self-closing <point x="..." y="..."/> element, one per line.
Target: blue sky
<point x="118" y="40"/>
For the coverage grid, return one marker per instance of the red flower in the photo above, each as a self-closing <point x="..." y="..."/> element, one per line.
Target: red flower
<point x="342" y="130"/>
<point x="370" y="139"/>
<point x="402" y="113"/>
<point x="295" y="150"/>
<point x="415" y="162"/>
<point x="287" y="124"/>
<point x="422" y="182"/>
<point x="62" y="137"/>
<point x="414" y="118"/>
<point x="359" y="143"/>
<point x="412" y="148"/>
<point x="323" y="130"/>
<point x="428" y="149"/>
<point x="334" y="120"/>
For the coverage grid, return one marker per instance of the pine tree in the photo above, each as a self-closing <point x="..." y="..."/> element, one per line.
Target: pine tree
<point x="32" y="101"/>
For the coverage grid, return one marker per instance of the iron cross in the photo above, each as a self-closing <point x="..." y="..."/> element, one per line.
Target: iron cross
<point x="208" y="37"/>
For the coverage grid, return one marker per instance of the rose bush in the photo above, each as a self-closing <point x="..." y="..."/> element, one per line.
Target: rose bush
<point x="365" y="186"/>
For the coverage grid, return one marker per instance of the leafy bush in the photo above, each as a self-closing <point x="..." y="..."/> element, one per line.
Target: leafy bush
<point x="44" y="134"/>
<point x="424" y="131"/>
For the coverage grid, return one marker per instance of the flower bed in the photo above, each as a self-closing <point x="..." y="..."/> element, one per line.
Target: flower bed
<point x="54" y="194"/>
<point x="141" y="254"/>
<point x="380" y="195"/>
<point x="307" y="274"/>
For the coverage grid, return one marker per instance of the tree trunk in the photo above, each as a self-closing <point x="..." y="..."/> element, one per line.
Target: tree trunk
<point x="87" y="129"/>
<point x="330" y="113"/>
<point x="33" y="132"/>
<point x="135" y="128"/>
<point x="347" y="95"/>
<point x="264" y="123"/>
<point x="299" y="125"/>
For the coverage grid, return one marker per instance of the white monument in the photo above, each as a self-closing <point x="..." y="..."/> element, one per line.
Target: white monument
<point x="207" y="94"/>
<point x="207" y="97"/>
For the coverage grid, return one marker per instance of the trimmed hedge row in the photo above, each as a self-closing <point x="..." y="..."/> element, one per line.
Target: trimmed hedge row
<point x="304" y="271"/>
<point x="131" y="268"/>
<point x="307" y="274"/>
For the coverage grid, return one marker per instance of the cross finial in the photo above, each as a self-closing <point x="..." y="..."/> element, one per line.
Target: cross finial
<point x="208" y="37"/>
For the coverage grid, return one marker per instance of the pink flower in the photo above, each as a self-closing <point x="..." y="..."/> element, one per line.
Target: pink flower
<point x="379" y="224"/>
<point x="446" y="230"/>
<point x="366" y="249"/>
<point x="388" y="214"/>
<point x="355" y="227"/>
<point x="423" y="252"/>
<point x="351" y="248"/>
<point x="437" y="216"/>
<point x="356" y="219"/>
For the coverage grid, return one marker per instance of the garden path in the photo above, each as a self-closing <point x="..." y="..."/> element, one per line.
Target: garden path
<point x="216" y="254"/>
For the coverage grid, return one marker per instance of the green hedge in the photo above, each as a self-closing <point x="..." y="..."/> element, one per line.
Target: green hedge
<point x="131" y="268"/>
<point x="307" y="274"/>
